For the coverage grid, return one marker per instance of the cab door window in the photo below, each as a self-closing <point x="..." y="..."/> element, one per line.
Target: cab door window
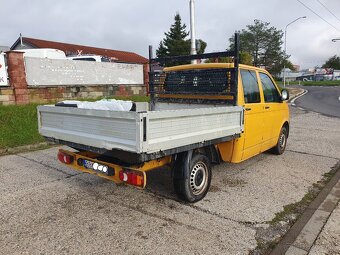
<point x="250" y="87"/>
<point x="271" y="95"/>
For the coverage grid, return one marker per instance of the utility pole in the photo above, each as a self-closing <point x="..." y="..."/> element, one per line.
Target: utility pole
<point x="192" y="30"/>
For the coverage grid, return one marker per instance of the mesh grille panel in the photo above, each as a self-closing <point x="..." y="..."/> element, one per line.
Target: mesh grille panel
<point x="194" y="82"/>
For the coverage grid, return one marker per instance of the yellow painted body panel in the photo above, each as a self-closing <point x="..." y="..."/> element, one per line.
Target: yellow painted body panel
<point x="262" y="124"/>
<point x="91" y="156"/>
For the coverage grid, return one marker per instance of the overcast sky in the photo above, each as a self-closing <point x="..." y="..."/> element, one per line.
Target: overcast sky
<point x="132" y="25"/>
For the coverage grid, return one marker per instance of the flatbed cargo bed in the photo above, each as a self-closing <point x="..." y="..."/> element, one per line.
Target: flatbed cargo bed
<point x="146" y="132"/>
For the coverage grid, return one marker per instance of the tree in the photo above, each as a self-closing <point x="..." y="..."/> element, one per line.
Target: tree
<point x="176" y="43"/>
<point x="263" y="43"/>
<point x="202" y="46"/>
<point x="332" y="62"/>
<point x="245" y="58"/>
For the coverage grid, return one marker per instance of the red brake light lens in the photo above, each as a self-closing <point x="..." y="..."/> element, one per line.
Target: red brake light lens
<point x="132" y="177"/>
<point x="65" y="158"/>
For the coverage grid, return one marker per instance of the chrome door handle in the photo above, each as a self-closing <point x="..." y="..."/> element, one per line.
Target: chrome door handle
<point x="266" y="107"/>
<point x="248" y="109"/>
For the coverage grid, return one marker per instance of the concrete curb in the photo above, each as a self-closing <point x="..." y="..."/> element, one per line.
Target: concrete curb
<point x="302" y="235"/>
<point x="25" y="148"/>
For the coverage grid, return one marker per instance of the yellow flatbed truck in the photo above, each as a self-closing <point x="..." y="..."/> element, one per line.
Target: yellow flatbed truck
<point x="199" y="115"/>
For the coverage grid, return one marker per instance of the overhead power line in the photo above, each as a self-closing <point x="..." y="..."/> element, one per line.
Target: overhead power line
<point x="324" y="6"/>
<point x="319" y="16"/>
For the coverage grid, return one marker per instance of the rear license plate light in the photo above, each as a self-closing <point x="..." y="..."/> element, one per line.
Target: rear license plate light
<point x="98" y="167"/>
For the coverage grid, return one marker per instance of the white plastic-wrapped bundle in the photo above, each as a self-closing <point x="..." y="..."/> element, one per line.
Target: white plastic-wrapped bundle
<point x="104" y="104"/>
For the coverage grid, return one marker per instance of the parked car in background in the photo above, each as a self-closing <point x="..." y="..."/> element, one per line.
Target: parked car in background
<point x="90" y="57"/>
<point x="44" y="53"/>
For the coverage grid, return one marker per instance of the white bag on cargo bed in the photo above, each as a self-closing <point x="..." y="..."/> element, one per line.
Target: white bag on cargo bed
<point x="104" y="104"/>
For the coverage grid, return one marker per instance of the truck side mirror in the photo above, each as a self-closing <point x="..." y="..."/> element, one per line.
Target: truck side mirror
<point x="284" y="95"/>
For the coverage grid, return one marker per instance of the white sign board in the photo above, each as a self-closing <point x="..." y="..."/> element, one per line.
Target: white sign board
<point x="53" y="72"/>
<point x="3" y="71"/>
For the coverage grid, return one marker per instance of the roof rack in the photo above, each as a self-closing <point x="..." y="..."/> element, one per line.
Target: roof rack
<point x="154" y="76"/>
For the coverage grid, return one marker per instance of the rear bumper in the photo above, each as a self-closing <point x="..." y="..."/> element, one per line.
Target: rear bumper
<point x="114" y="172"/>
<point x="80" y="156"/>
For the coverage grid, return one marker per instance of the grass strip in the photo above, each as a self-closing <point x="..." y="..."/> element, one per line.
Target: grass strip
<point x="19" y="123"/>
<point x="320" y="83"/>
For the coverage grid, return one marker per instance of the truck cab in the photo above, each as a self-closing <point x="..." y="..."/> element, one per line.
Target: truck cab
<point x="266" y="113"/>
<point x="266" y="116"/>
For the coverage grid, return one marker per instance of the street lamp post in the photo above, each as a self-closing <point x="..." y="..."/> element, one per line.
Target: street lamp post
<point x="192" y="30"/>
<point x="284" y="66"/>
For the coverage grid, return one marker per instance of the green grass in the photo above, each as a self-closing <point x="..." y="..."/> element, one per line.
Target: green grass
<point x="300" y="206"/>
<point x="19" y="124"/>
<point x="320" y="83"/>
<point x="310" y="83"/>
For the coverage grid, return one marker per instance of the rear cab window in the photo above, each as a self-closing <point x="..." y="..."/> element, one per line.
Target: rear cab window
<point x="250" y="85"/>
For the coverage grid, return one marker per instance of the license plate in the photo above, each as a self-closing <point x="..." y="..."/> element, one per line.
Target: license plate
<point x="88" y="164"/>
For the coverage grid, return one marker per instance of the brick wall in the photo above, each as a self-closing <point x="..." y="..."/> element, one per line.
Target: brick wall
<point x="17" y="76"/>
<point x="20" y="93"/>
<point x="7" y="96"/>
<point x="47" y="94"/>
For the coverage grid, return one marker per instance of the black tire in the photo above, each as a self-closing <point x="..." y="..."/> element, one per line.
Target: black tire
<point x="282" y="142"/>
<point x="192" y="177"/>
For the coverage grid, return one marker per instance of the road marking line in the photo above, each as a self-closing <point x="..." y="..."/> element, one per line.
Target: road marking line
<point x="293" y="101"/>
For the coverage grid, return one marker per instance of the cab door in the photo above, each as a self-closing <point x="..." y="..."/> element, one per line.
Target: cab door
<point x="272" y="117"/>
<point x="253" y="116"/>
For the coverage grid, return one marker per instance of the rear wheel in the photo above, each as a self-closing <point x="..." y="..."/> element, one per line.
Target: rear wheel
<point x="192" y="177"/>
<point x="282" y="142"/>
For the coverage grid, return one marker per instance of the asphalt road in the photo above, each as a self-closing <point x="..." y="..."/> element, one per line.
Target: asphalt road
<point x="325" y="100"/>
<point x="47" y="208"/>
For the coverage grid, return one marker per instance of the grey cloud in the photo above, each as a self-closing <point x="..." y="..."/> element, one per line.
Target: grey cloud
<point x="133" y="25"/>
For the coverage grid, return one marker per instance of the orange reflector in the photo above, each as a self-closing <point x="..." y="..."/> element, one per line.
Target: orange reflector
<point x="140" y="181"/>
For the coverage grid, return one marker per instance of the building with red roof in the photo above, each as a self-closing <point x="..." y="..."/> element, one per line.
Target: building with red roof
<point x="73" y="49"/>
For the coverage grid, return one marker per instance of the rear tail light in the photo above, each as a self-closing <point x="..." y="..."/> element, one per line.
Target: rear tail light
<point x="132" y="177"/>
<point x="65" y="158"/>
